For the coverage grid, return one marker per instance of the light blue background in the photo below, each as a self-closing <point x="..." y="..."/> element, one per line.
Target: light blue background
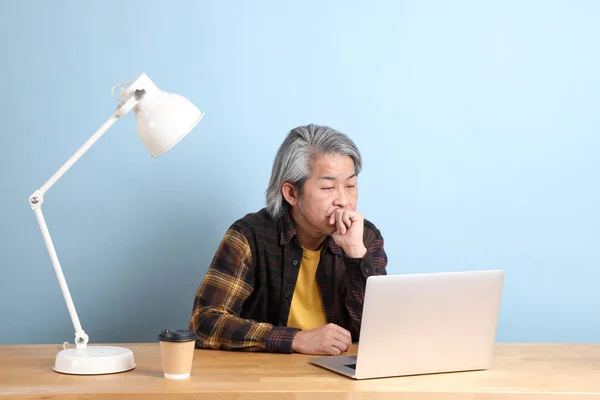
<point x="478" y="122"/>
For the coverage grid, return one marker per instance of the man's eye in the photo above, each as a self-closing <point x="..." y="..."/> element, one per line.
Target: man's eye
<point x="327" y="188"/>
<point x="351" y="186"/>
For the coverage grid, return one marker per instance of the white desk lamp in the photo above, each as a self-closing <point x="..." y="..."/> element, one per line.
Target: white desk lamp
<point x="163" y="119"/>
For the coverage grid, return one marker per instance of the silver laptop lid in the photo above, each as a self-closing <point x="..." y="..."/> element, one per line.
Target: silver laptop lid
<point x="428" y="323"/>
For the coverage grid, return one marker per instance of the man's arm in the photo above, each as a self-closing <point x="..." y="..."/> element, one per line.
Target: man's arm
<point x="358" y="270"/>
<point x="220" y="298"/>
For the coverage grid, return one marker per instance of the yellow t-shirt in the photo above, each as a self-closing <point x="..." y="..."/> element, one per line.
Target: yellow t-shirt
<point x="306" y="310"/>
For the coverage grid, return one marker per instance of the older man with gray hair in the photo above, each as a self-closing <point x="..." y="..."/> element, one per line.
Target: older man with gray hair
<point x="291" y="277"/>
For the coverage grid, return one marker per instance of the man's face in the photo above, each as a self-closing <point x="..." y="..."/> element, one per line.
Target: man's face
<point x="331" y="186"/>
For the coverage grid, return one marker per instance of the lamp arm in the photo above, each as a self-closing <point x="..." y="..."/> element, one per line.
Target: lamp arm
<point x="37" y="198"/>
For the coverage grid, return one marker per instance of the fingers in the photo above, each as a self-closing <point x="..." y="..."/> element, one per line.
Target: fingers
<point x="346" y="219"/>
<point x="337" y="328"/>
<point x="342" y="342"/>
<point x="341" y="335"/>
<point x="338" y="347"/>
<point x="344" y="336"/>
<point x="335" y="216"/>
<point x="331" y="339"/>
<point x="342" y="219"/>
<point x="340" y="223"/>
<point x="332" y="217"/>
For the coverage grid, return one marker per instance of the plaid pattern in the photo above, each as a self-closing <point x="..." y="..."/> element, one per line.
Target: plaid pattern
<point x="244" y="300"/>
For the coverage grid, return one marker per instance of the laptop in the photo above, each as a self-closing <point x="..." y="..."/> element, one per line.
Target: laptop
<point x="423" y="324"/>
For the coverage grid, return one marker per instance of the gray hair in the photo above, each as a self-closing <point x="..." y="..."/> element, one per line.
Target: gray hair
<point x="294" y="159"/>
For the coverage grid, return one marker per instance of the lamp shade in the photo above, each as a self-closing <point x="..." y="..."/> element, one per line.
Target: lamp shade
<point x="162" y="118"/>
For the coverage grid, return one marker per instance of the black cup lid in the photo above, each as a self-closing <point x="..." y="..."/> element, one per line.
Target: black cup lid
<point x="176" y="335"/>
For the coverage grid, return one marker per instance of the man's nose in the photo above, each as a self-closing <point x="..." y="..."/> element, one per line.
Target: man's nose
<point x="342" y="199"/>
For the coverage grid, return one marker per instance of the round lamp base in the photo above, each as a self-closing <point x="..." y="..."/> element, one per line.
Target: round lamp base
<point x="94" y="360"/>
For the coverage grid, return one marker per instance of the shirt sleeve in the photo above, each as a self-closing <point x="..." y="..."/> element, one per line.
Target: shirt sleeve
<point x="358" y="270"/>
<point x="218" y="303"/>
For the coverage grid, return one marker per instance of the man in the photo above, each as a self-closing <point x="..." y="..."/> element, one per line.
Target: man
<point x="291" y="277"/>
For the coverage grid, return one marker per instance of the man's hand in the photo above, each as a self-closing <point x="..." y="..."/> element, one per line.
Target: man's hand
<point x="349" y="232"/>
<point x="329" y="339"/>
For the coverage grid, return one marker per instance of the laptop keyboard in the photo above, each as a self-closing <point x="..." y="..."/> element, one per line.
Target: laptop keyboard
<point x="351" y="366"/>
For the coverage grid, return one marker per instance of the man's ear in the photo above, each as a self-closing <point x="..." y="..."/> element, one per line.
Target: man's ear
<point x="290" y="193"/>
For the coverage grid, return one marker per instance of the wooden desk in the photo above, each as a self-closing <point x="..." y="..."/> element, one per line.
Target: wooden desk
<point x="526" y="371"/>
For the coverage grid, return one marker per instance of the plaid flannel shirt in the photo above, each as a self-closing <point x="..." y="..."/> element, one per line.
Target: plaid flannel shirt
<point x="244" y="300"/>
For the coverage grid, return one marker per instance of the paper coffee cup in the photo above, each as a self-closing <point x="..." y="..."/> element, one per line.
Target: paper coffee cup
<point x="177" y="353"/>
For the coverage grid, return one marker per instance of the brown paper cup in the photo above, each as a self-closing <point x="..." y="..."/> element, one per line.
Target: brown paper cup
<point x="177" y="353"/>
<point x="177" y="358"/>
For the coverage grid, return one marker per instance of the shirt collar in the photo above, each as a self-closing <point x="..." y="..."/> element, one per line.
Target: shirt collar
<point x="286" y="229"/>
